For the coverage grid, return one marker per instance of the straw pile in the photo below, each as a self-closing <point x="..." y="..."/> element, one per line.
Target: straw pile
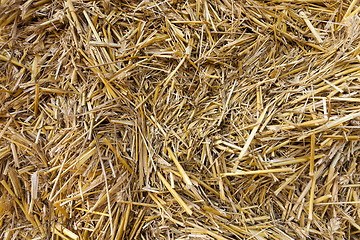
<point x="178" y="119"/>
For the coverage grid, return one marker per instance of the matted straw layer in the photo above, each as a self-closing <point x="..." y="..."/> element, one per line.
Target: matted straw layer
<point x="198" y="119"/>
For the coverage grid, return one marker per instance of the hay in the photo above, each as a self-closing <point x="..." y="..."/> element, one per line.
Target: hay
<point x="179" y="119"/>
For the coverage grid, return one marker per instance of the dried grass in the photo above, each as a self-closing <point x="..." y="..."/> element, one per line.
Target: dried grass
<point x="179" y="119"/>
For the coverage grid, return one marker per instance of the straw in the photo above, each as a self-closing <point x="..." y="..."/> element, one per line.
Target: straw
<point x="174" y="119"/>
